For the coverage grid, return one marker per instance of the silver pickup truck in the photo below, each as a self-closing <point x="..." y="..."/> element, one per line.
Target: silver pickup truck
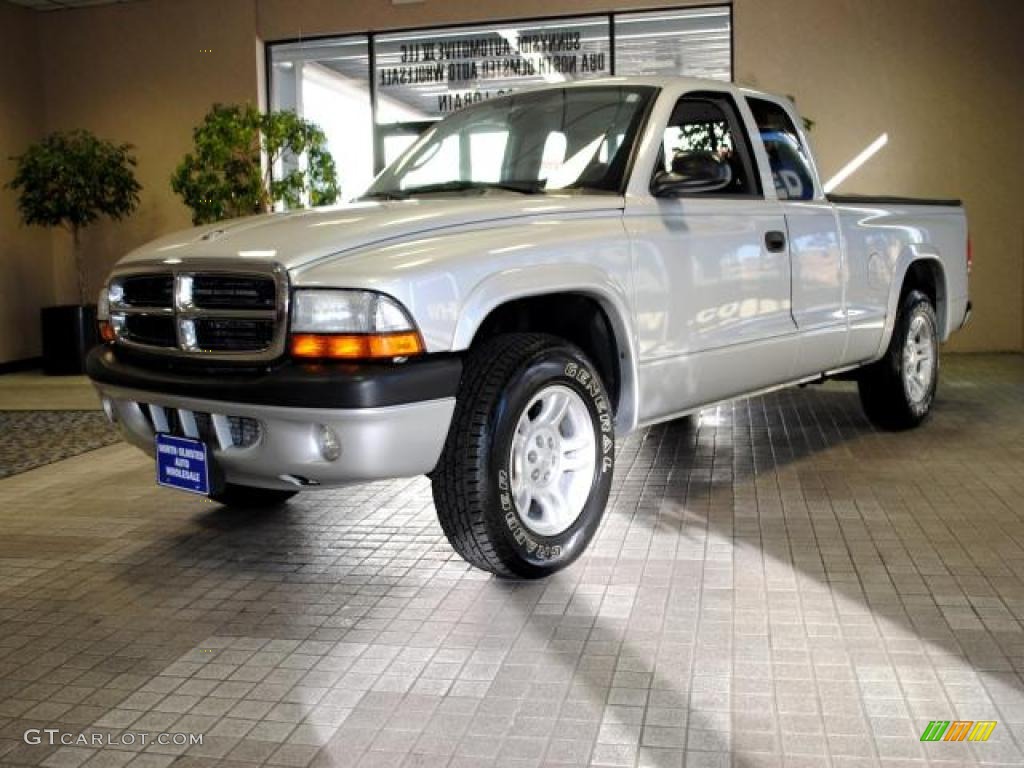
<point x="538" y="275"/>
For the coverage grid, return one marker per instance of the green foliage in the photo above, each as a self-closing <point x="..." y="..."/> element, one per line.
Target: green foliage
<point x="72" y="179"/>
<point x="704" y="137"/>
<point x="224" y="176"/>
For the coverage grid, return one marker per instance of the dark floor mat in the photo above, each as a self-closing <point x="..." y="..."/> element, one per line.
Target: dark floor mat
<point x="30" y="439"/>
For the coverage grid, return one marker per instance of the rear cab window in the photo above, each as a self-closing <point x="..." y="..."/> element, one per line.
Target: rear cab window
<point x="792" y="172"/>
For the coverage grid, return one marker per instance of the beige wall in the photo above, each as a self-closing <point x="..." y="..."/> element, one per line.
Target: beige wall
<point x="26" y="279"/>
<point x="937" y="75"/>
<point x="942" y="78"/>
<point x="137" y="72"/>
<point x="279" y="19"/>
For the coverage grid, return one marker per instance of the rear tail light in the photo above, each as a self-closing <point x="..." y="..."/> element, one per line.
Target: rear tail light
<point x="970" y="255"/>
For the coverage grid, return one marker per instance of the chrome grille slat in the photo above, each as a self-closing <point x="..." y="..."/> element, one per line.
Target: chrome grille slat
<point x="222" y="429"/>
<point x="243" y="314"/>
<point x="187" y="420"/>
<point x="136" y="310"/>
<point x="158" y="418"/>
<point x="212" y="428"/>
<point x="207" y="310"/>
<point x="229" y="314"/>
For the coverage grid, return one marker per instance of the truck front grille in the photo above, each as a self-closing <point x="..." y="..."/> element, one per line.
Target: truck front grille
<point x="149" y="290"/>
<point x="203" y="313"/>
<point x="234" y="335"/>
<point x="212" y="428"/>
<point x="151" y="330"/>
<point x="233" y="292"/>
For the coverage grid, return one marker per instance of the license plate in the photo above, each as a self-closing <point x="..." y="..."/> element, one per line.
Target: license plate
<point x="181" y="463"/>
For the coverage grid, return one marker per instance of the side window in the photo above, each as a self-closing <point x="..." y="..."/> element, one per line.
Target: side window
<point x="708" y="123"/>
<point x="791" y="168"/>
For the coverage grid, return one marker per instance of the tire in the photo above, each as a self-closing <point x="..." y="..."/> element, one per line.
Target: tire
<point x="243" y="496"/>
<point x="512" y="394"/>
<point x="898" y="391"/>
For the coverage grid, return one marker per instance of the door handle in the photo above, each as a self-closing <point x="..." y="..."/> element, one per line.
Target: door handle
<point x="775" y="241"/>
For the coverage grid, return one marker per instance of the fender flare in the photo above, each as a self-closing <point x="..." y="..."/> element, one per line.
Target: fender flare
<point x="910" y="255"/>
<point x="543" y="279"/>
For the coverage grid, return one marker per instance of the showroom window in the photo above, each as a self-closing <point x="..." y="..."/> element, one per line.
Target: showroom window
<point x="422" y="76"/>
<point x="328" y="81"/>
<point x="696" y="42"/>
<point x="419" y="76"/>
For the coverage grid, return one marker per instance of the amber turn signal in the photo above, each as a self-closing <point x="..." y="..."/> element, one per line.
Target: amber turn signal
<point x="107" y="331"/>
<point x="355" y="346"/>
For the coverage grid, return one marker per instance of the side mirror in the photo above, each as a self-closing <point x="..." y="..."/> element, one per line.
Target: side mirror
<point x="692" y="172"/>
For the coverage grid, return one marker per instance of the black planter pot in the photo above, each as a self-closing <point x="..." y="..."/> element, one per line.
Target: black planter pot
<point x="69" y="332"/>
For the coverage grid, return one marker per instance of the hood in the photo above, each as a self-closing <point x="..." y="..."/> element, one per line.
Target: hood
<point x="299" y="238"/>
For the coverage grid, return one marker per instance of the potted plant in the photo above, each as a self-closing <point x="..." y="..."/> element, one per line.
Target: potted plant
<point x="246" y="162"/>
<point x="71" y="180"/>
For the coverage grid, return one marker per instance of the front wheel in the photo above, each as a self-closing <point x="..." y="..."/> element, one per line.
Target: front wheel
<point x="526" y="470"/>
<point x="898" y="391"/>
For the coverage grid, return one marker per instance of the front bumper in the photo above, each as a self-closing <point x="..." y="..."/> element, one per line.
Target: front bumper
<point x="272" y="445"/>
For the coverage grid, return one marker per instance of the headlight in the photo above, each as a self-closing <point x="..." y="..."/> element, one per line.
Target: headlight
<point x="347" y="312"/>
<point x="350" y="324"/>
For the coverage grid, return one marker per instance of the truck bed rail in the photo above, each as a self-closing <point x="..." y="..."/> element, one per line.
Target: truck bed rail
<point x="892" y="200"/>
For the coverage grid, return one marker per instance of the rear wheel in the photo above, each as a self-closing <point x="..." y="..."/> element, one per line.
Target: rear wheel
<point x="232" y="495"/>
<point x="898" y="391"/>
<point x="525" y="473"/>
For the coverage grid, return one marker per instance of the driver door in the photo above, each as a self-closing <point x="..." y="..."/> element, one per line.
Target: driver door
<point x="711" y="272"/>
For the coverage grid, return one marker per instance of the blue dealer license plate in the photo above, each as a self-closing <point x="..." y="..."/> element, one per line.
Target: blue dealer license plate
<point x="181" y="463"/>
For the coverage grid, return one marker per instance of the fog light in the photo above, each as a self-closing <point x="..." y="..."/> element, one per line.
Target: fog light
<point x="330" y="445"/>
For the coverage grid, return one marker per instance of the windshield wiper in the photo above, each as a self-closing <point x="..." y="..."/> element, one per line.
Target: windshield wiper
<point x="522" y="187"/>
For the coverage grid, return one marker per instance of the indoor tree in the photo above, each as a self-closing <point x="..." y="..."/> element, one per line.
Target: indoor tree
<point x="244" y="162"/>
<point x="71" y="180"/>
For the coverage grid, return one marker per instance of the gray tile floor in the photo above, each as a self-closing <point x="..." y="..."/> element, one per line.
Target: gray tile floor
<point x="774" y="584"/>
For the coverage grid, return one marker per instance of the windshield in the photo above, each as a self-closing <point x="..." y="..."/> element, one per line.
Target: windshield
<point x="558" y="139"/>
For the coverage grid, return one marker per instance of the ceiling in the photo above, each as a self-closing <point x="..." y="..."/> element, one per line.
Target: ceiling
<point x="57" y="5"/>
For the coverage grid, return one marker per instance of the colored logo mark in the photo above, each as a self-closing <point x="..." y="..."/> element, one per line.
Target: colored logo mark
<point x="958" y="730"/>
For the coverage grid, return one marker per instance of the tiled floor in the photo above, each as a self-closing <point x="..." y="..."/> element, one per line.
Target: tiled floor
<point x="774" y="584"/>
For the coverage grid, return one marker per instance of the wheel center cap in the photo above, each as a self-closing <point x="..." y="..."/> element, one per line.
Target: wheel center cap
<point x="542" y="456"/>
